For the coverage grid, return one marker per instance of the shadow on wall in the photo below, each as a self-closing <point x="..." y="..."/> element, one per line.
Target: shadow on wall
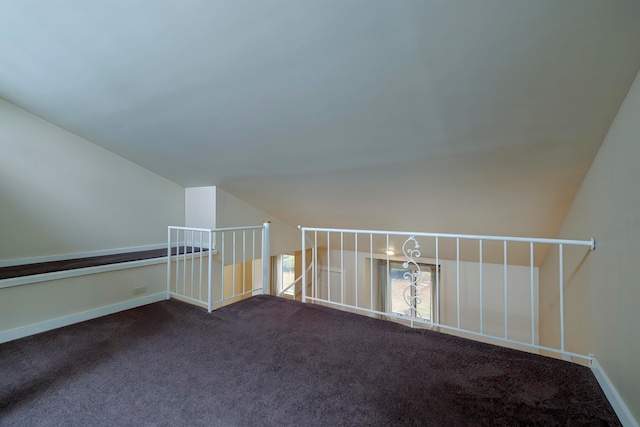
<point x="575" y="297"/>
<point x="61" y="194"/>
<point x="29" y="233"/>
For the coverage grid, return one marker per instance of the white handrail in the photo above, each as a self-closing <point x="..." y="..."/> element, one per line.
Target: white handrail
<point x="174" y="227"/>
<point x="213" y="230"/>
<point x="590" y="243"/>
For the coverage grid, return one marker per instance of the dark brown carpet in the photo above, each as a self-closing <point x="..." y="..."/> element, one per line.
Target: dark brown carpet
<point x="272" y="362"/>
<point x="95" y="261"/>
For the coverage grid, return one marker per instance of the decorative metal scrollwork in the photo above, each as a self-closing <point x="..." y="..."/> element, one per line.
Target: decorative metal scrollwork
<point x="411" y="293"/>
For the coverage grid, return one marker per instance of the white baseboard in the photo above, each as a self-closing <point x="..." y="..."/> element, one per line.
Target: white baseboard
<point x="25" y="331"/>
<point x="621" y="409"/>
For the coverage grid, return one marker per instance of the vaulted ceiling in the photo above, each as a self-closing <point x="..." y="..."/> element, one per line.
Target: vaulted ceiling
<point x="463" y="116"/>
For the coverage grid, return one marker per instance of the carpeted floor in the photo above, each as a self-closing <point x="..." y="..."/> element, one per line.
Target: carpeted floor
<point x="267" y="361"/>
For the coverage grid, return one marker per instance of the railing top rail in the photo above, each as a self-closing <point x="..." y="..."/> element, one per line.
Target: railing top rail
<point x="590" y="243"/>
<point x="257" y="227"/>
<point x="172" y="227"/>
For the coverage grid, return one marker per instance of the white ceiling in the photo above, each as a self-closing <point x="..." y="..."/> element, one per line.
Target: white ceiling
<point x="465" y="116"/>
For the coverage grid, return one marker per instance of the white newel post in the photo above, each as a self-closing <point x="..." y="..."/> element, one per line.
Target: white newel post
<point x="168" y="262"/>
<point x="266" y="258"/>
<point x="304" y="265"/>
<point x="209" y="271"/>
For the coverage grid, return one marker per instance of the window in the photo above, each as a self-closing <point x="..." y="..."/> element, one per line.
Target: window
<point x="286" y="273"/>
<point x="417" y="301"/>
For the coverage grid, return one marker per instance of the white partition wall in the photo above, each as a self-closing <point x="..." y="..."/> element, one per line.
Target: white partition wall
<point x="200" y="207"/>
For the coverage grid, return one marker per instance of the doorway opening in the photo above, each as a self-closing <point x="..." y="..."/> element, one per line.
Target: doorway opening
<point x="286" y="264"/>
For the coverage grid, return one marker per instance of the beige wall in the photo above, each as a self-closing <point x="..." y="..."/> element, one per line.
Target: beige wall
<point x="604" y="287"/>
<point x="62" y="194"/>
<point x="233" y="212"/>
<point x="45" y="301"/>
<point x="200" y="207"/>
<point x="519" y="291"/>
<point x="519" y="314"/>
<point x="238" y="278"/>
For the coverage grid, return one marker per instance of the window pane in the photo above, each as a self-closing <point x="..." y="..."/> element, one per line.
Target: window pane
<point x="401" y="294"/>
<point x="423" y="304"/>
<point x="288" y="272"/>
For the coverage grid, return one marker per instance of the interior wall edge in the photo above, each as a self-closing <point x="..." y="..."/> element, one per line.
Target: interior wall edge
<point x="619" y="406"/>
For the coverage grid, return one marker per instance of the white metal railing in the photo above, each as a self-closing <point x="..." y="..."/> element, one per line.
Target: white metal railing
<point x="238" y="256"/>
<point x="306" y="271"/>
<point x="472" y="273"/>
